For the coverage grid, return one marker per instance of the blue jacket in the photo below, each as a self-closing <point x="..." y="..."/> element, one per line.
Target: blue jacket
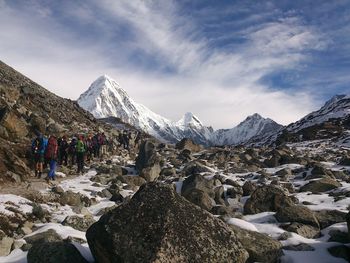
<point x="43" y="145"/>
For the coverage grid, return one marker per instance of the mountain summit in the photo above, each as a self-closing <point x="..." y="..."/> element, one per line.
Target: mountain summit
<point x="105" y="98"/>
<point x="252" y="127"/>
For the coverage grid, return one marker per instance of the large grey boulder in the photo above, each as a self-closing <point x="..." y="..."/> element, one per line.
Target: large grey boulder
<point x="297" y="213"/>
<point x="188" y="144"/>
<point x="327" y="218"/>
<point x="195" y="168"/>
<point x="147" y="161"/>
<point x="54" y="252"/>
<point x="261" y="248"/>
<point x="79" y="223"/>
<point x="199" y="191"/>
<point x="43" y="237"/>
<point x="267" y="198"/>
<point x="306" y="231"/>
<point x="158" y="225"/>
<point x="320" y="186"/>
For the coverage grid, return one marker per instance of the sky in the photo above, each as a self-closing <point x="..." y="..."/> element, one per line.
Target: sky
<point x="221" y="60"/>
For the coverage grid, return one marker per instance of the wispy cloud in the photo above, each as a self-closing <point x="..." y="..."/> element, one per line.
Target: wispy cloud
<point x="164" y="57"/>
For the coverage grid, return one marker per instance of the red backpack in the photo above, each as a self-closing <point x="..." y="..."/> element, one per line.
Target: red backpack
<point x="51" y="150"/>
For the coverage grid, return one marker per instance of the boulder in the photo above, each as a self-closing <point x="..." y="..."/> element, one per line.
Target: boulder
<point x="267" y="198"/>
<point x="197" y="182"/>
<point x="132" y="180"/>
<point x="341" y="251"/>
<point x="168" y="171"/>
<point x="5" y="244"/>
<point x="150" y="173"/>
<point x="147" y="161"/>
<point x="79" y="223"/>
<point x="327" y="218"/>
<point x="248" y="188"/>
<point x="54" y="252"/>
<point x="303" y="230"/>
<point x="298" y="214"/>
<point x="320" y="186"/>
<point x="195" y="168"/>
<point x="70" y="198"/>
<point x="299" y="247"/>
<point x="261" y="248"/>
<point x="43" y="237"/>
<point x="158" y="225"/>
<point x="201" y="199"/>
<point x="188" y="144"/>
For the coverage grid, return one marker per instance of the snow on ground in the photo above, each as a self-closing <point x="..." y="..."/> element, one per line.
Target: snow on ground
<point x="323" y="202"/>
<point x="9" y="201"/>
<point x="80" y="184"/>
<point x="242" y="224"/>
<point x="16" y="256"/>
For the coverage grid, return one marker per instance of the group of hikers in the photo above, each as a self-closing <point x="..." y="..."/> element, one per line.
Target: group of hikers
<point x="52" y="150"/>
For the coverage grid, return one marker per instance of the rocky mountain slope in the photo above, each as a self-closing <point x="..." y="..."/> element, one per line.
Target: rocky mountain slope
<point x="105" y="98"/>
<point x="253" y="127"/>
<point x="286" y="204"/>
<point x="26" y="107"/>
<point x="331" y="122"/>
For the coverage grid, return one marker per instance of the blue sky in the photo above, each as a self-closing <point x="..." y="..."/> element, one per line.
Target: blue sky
<point x="221" y="60"/>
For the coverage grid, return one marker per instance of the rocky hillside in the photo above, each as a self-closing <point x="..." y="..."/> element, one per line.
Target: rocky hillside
<point x="330" y="122"/>
<point x="232" y="204"/>
<point x="26" y="107"/>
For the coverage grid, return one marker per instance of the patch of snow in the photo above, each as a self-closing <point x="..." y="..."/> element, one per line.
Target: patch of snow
<point x="242" y="224"/>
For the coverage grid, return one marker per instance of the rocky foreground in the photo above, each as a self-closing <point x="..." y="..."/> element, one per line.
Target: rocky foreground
<point x="187" y="204"/>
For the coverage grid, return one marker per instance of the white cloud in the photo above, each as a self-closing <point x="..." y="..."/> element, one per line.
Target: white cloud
<point x="221" y="87"/>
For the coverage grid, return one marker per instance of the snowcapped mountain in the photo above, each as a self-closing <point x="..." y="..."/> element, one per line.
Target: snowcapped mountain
<point x="330" y="122"/>
<point x="253" y="127"/>
<point x="337" y="107"/>
<point x="105" y="98"/>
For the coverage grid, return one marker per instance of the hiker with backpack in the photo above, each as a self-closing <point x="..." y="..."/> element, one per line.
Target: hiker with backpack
<point x="51" y="155"/>
<point x="63" y="151"/>
<point x="96" y="145"/>
<point x="80" y="149"/>
<point x="38" y="150"/>
<point x="126" y="139"/>
<point x="103" y="144"/>
<point x="89" y="148"/>
<point x="72" y="151"/>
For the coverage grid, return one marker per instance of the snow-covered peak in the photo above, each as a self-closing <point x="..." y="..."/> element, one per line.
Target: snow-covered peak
<point x="335" y="108"/>
<point x="254" y="125"/>
<point x="189" y="119"/>
<point x="105" y="98"/>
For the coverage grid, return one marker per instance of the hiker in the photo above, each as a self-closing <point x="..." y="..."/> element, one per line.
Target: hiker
<point x="126" y="139"/>
<point x="72" y="151"/>
<point x="63" y="151"/>
<point x="138" y="139"/>
<point x="120" y="139"/>
<point x="38" y="150"/>
<point x="89" y="148"/>
<point x="51" y="155"/>
<point x="103" y="144"/>
<point x="80" y="149"/>
<point x="96" y="145"/>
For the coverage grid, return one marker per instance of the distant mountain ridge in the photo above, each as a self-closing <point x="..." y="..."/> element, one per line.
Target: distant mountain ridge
<point x="105" y="98"/>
